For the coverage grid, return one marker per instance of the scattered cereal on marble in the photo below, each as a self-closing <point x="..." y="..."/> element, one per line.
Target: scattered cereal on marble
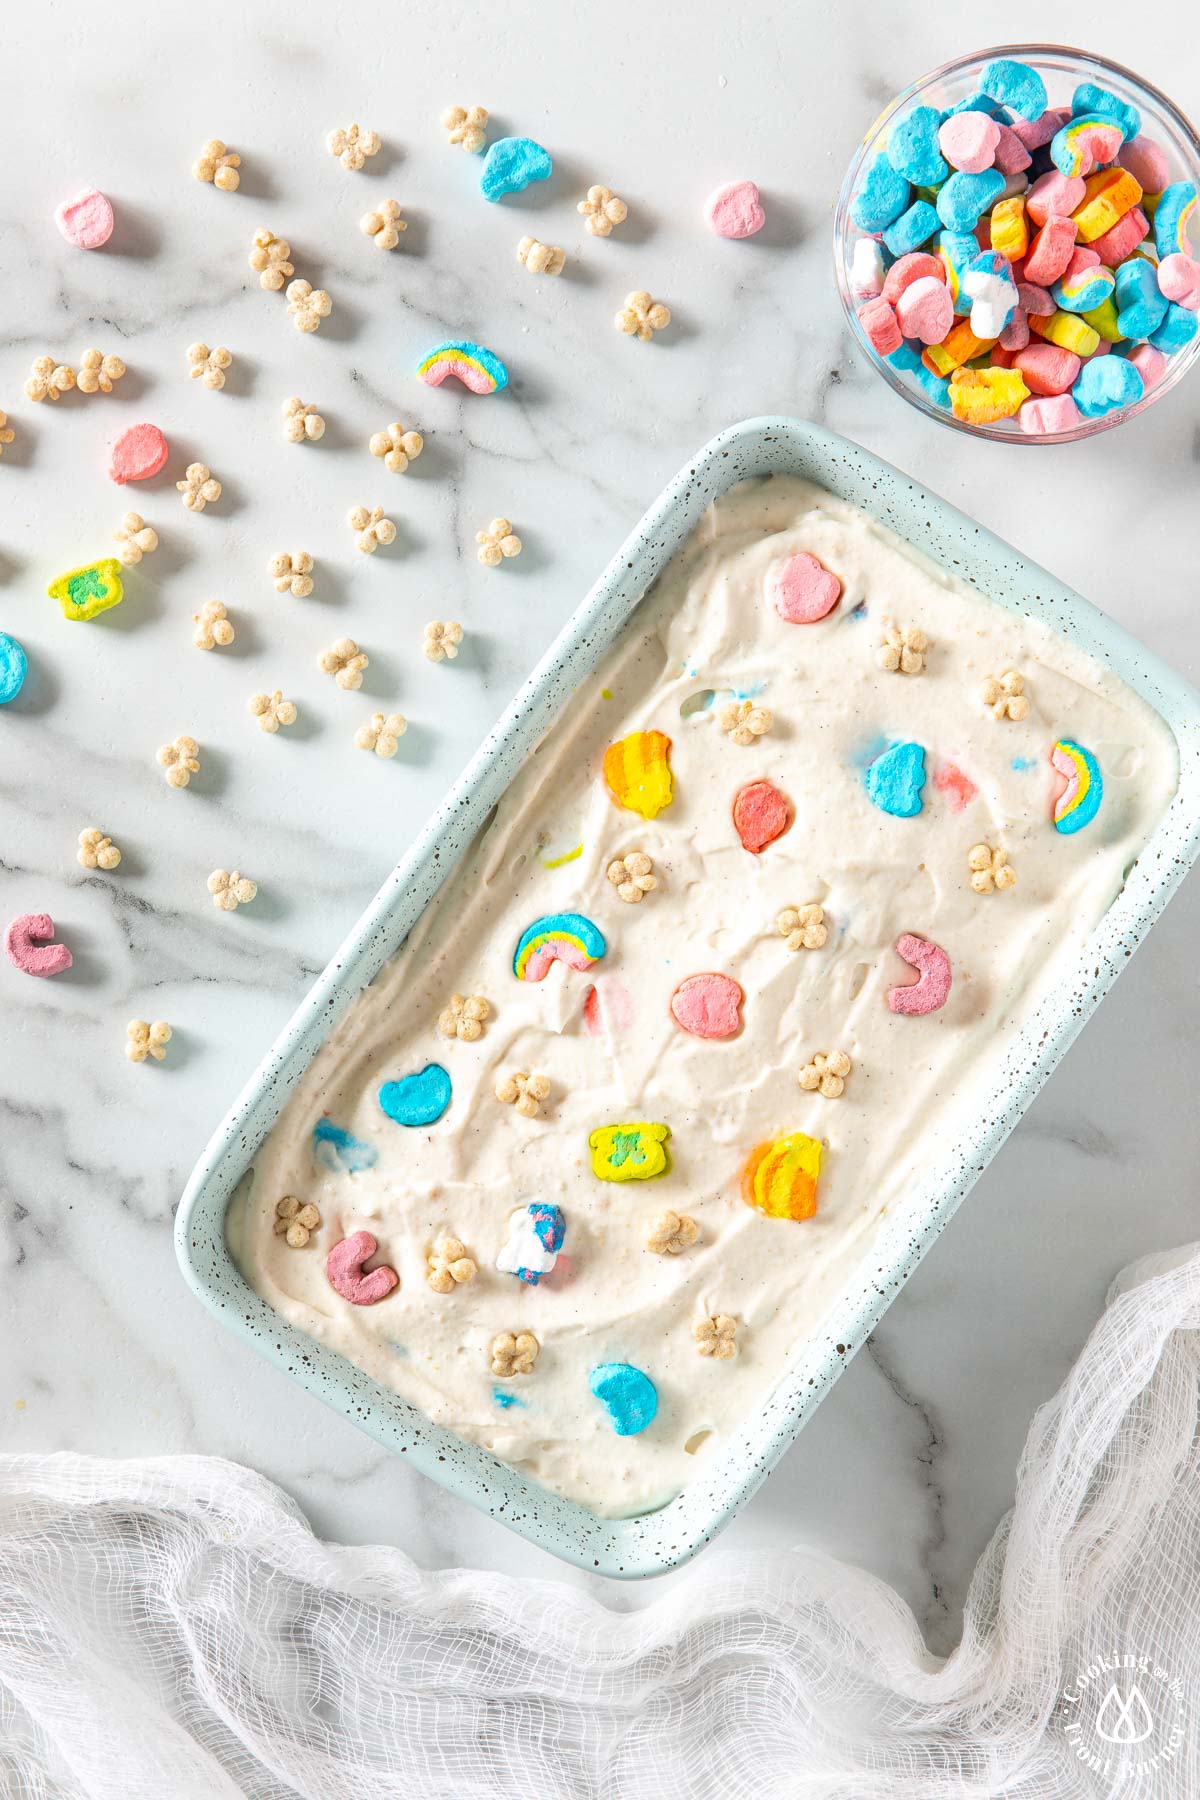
<point x="230" y="889"/>
<point x="641" y="316"/>
<point x="384" y="224"/>
<point x="513" y="1353"/>
<point x="803" y="927"/>
<point x="180" y="760"/>
<point x="464" y="1017"/>
<point x="372" y="528"/>
<point x="637" y="772"/>
<point x="635" y="1150"/>
<point x="477" y="367"/>
<point x="7" y="434"/>
<point x="296" y="1220"/>
<point x="633" y="876"/>
<point x="902" y="650"/>
<point x="525" y="1092"/>
<point x="143" y="1039"/>
<point x="397" y="447"/>
<point x="86" y="219"/>
<point x="716" y="1335"/>
<point x="539" y="258"/>
<point x="96" y="851"/>
<point x="346" y="1273"/>
<point x="29" y="946"/>
<point x="292" y="573"/>
<point x="139" y="453"/>
<point x="566" y="937"/>
<point x="627" y="1394"/>
<point x="14" y="666"/>
<point x="442" y="639"/>
<point x="744" y="723"/>
<point x="496" y="542"/>
<point x="270" y="258"/>
<point x="825" y="1074"/>
<point x="136" y="538"/>
<point x="931" y="990"/>
<point x="302" y="423"/>
<point x="91" y="589"/>
<point x="990" y="869"/>
<point x="272" y="710"/>
<point x="895" y="779"/>
<point x="208" y="366"/>
<point x="49" y="380"/>
<point x="448" y="1266"/>
<point x="352" y="145"/>
<point x="307" y="305"/>
<point x="708" y="1005"/>
<point x="511" y="164"/>
<point x="734" y="210"/>
<point x="98" y="374"/>
<point x="535" y="1236"/>
<point x="345" y="662"/>
<point x="1080" y="799"/>
<point x="382" y="734"/>
<point x="602" y="209"/>
<point x="218" y="165"/>
<point x="760" y="815"/>
<point x="780" y="1177"/>
<point x="199" y="487"/>
<point x="803" y="590"/>
<point x="671" y="1233"/>
<point x="418" y="1099"/>
<point x="467" y="125"/>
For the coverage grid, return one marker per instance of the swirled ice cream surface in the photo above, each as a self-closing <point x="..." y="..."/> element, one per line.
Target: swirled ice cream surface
<point x="604" y="1035"/>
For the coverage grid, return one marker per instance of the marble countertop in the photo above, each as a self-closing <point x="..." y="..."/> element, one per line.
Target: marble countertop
<point x="909" y="1464"/>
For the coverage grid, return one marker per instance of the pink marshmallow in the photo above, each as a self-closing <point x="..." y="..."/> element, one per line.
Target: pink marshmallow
<point x="1179" y="280"/>
<point x="29" y="946"/>
<point x="908" y="269"/>
<point x="1051" y="251"/>
<point x="1036" y="300"/>
<point x="1033" y="133"/>
<point x="1150" y="364"/>
<point x="932" y="986"/>
<point x="878" y="320"/>
<point x="86" y="220"/>
<point x="1015" y="335"/>
<point x="345" y="1274"/>
<point x="1011" y="154"/>
<point x="1122" y="239"/>
<point x="734" y="210"/>
<point x="1047" y="369"/>
<point x="968" y="141"/>
<point x="1083" y="257"/>
<point x="925" y="310"/>
<point x="1146" y="162"/>
<point x="138" y="454"/>
<point x="1042" y="418"/>
<point x="1054" y="193"/>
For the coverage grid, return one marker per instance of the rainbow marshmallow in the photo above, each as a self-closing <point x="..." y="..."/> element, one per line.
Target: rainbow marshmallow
<point x="476" y="367"/>
<point x="557" y="937"/>
<point x="1079" y="801"/>
<point x="1086" y="143"/>
<point x="1174" y="213"/>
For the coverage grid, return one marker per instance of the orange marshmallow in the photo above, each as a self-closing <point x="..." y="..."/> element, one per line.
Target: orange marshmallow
<point x="1009" y="228"/>
<point x="1109" y="195"/>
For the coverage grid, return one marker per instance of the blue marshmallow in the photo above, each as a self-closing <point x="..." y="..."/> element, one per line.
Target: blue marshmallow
<point x="1177" y="329"/>
<point x="13" y="667"/>
<point x="1089" y="98"/>
<point x="1106" y="384"/>
<point x="895" y="779"/>
<point x="417" y="1099"/>
<point x="1141" y="308"/>
<point x="1016" y="85"/>
<point x="882" y="197"/>
<point x="965" y="198"/>
<point x="908" y="357"/>
<point x="913" y="150"/>
<point x="912" y="229"/>
<point x="981" y="102"/>
<point x="628" y="1396"/>
<point x="511" y="164"/>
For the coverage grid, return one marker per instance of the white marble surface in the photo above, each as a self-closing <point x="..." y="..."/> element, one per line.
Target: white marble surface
<point x="908" y="1466"/>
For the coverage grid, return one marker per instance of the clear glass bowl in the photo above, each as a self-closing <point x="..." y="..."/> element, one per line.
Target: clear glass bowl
<point x="1062" y="69"/>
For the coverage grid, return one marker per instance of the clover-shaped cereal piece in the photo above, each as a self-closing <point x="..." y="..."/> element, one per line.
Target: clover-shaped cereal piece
<point x="441" y="640"/>
<point x="143" y="1039"/>
<point x="384" y="225"/>
<point x="498" y="541"/>
<point x="902" y="650"/>
<point x="397" y="447"/>
<point x="136" y="538"/>
<point x="49" y="380"/>
<point x="98" y="373"/>
<point x="464" y="1017"/>
<point x="602" y="210"/>
<point x="307" y="305"/>
<point x="513" y="1353"/>
<point x="220" y="166"/>
<point x="372" y="527"/>
<point x="539" y="258"/>
<point x="96" y="851"/>
<point x="672" y="1233"/>
<point x="302" y="424"/>
<point x="272" y="710"/>
<point x="230" y="889"/>
<point x="525" y="1092"/>
<point x="292" y="573"/>
<point x="448" y="1266"/>
<point x="199" y="487"/>
<point x="641" y="316"/>
<point x="345" y="662"/>
<point x="7" y="434"/>
<point x="296" y="1220"/>
<point x="633" y="876"/>
<point x="1006" y="696"/>
<point x="990" y="869"/>
<point x="180" y="760"/>
<point x="382" y="734"/>
<point x="716" y="1335"/>
<point x="467" y="126"/>
<point x="270" y="258"/>
<point x="352" y="145"/>
<point x="826" y="1075"/>
<point x="743" y="722"/>
<point x="208" y="366"/>
<point x="803" y="926"/>
<point x="213" y="628"/>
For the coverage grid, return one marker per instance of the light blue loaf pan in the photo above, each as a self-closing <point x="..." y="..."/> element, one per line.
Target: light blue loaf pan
<point x="660" y="1540"/>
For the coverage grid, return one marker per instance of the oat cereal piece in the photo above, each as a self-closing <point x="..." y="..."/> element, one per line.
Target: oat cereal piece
<point x="97" y="851"/>
<point x="208" y="366"/>
<point x="302" y="424"/>
<point x="744" y="723"/>
<point x="213" y="629"/>
<point x="220" y="166"/>
<point x="990" y="869"/>
<point x="672" y="1233"/>
<point x="641" y="316"/>
<point x="7" y="434"/>
<point x="902" y="650"/>
<point x="49" y="380"/>
<point x="136" y="538"/>
<point x="345" y="662"/>
<point x="1006" y="697"/>
<point x="272" y="710"/>
<point x="397" y="447"/>
<point x="296" y="1220"/>
<point x="716" y="1335"/>
<point x="513" y="1353"/>
<point x="143" y="1039"/>
<point x="230" y="889"/>
<point x="464" y="1017"/>
<point x="497" y="542"/>
<point x="539" y="258"/>
<point x="602" y="210"/>
<point x="525" y="1092"/>
<point x="633" y="876"/>
<point x="352" y="145"/>
<point x="448" y="1266"/>
<point x="467" y="126"/>
<point x="199" y="487"/>
<point x="292" y="573"/>
<point x="384" y="225"/>
<point x="441" y="640"/>
<point x="270" y="258"/>
<point x="826" y="1075"/>
<point x="380" y="734"/>
<point x="307" y="305"/>
<point x="373" y="528"/>
<point x="181" y="760"/>
<point x="98" y="373"/>
<point x="803" y="926"/>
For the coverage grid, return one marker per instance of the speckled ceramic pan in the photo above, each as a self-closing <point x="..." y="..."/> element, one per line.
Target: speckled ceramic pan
<point x="659" y="1540"/>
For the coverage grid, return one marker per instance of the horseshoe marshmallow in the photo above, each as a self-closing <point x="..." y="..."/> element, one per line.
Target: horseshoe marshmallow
<point x="933" y="966"/>
<point x="28" y="947"/>
<point x="344" y="1270"/>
